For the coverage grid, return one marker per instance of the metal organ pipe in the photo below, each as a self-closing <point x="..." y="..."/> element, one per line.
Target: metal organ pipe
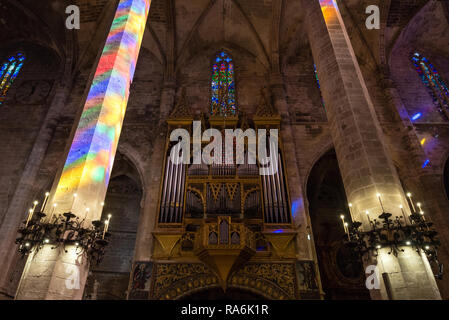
<point x="269" y="195"/>
<point x="179" y="197"/>
<point x="283" y="190"/>
<point x="273" y="185"/>
<point x="173" y="185"/>
<point x="164" y="192"/>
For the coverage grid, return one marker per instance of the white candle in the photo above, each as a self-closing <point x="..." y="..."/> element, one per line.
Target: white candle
<point x="73" y="201"/>
<point x="35" y="204"/>
<point x="87" y="211"/>
<point x="109" y="220"/>
<point x="347" y="229"/>
<point x="403" y="214"/>
<point x="105" y="226"/>
<point x="367" y="214"/>
<point x="380" y="201"/>
<point x="409" y="195"/>
<point x="53" y="211"/>
<point x="30" y="215"/>
<point x="45" y="201"/>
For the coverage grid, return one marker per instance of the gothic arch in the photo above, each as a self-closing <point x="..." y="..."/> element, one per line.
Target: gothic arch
<point x="136" y="159"/>
<point x="341" y="274"/>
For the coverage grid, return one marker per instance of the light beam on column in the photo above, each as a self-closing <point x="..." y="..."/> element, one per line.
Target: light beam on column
<point x="89" y="162"/>
<point x="91" y="155"/>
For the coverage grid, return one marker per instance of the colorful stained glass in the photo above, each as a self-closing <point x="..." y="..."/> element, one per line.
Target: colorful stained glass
<point x="223" y="86"/>
<point x="8" y="73"/>
<point x="318" y="83"/>
<point x="435" y="85"/>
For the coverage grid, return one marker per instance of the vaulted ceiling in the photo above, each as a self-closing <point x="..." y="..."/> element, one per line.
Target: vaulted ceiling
<point x="270" y="31"/>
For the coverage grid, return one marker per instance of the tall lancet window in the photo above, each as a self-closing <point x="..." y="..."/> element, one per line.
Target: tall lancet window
<point x="318" y="83"/>
<point x="223" y="86"/>
<point x="8" y="73"/>
<point x="434" y="83"/>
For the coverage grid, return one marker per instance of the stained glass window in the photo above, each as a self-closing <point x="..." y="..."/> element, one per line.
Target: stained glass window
<point x="8" y="73"/>
<point x="318" y="83"/>
<point x="223" y="86"/>
<point x="435" y="85"/>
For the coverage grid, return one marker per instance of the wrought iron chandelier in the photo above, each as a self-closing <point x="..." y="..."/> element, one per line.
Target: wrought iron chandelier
<point x="62" y="230"/>
<point x="384" y="232"/>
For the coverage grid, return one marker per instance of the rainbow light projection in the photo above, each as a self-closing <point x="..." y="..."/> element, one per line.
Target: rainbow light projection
<point x="89" y="163"/>
<point x="8" y="73"/>
<point x="328" y="7"/>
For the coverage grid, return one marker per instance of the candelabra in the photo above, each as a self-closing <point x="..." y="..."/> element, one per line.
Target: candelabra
<point x="394" y="234"/>
<point x="62" y="230"/>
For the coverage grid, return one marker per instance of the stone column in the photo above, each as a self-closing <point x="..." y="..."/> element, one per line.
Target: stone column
<point x="168" y="95"/>
<point x="300" y="218"/>
<point x="25" y="189"/>
<point x="59" y="274"/>
<point x="361" y="150"/>
<point x="424" y="183"/>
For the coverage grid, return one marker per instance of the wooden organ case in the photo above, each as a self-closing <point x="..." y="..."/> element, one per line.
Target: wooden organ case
<point x="224" y="225"/>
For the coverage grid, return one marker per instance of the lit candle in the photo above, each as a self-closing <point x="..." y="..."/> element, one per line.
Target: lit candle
<point x="409" y="195"/>
<point x="30" y="215"/>
<point x="380" y="201"/>
<point x="109" y="220"/>
<point x="87" y="211"/>
<point x="367" y="214"/>
<point x="106" y="222"/>
<point x="342" y="217"/>
<point x="45" y="201"/>
<point x="74" y="197"/>
<point x="35" y="204"/>
<point x="53" y="211"/>
<point x="347" y="229"/>
<point x="350" y="208"/>
<point x="419" y="206"/>
<point x="403" y="214"/>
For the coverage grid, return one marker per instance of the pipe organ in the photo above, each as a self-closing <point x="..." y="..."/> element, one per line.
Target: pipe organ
<point x="197" y="191"/>
<point x="217" y="220"/>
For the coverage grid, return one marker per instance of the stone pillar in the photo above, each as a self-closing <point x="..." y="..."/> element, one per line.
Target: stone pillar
<point x="168" y="95"/>
<point x="300" y="219"/>
<point x="56" y="274"/>
<point x="424" y="183"/>
<point x="25" y="189"/>
<point x="360" y="146"/>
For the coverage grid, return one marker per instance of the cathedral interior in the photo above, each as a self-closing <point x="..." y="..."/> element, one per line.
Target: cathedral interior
<point x="93" y="207"/>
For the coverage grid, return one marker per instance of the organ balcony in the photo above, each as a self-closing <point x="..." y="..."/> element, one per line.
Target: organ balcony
<point x="224" y="245"/>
